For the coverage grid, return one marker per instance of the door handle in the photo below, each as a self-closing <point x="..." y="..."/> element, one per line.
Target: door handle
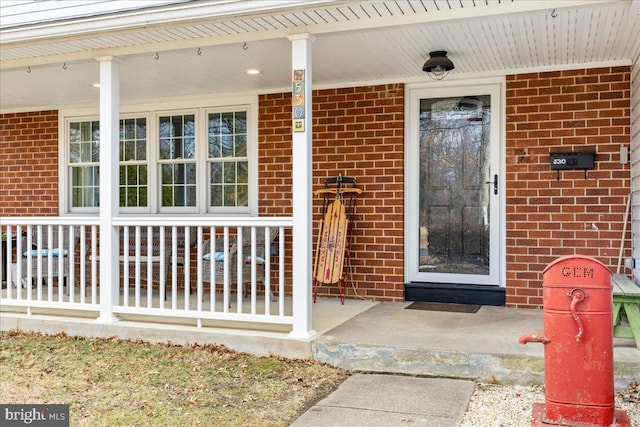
<point x="495" y="183"/>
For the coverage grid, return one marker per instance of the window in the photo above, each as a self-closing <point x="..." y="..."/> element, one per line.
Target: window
<point x="84" y="157"/>
<point x="228" y="161"/>
<point x="133" y="163"/>
<point x="84" y="149"/>
<point x="177" y="160"/>
<point x="201" y="160"/>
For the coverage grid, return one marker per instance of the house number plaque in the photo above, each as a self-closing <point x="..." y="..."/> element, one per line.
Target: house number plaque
<point x="298" y="106"/>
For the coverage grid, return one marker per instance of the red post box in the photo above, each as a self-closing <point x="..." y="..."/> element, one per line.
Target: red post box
<point x="578" y="338"/>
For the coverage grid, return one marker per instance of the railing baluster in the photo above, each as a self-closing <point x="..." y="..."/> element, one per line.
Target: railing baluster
<point x="137" y="267"/>
<point x="281" y="272"/>
<point x="199" y="290"/>
<point x="34" y="263"/>
<point x="187" y="283"/>
<point x="29" y="266"/>
<point x="39" y="272"/>
<point x="125" y="264"/>
<point x="239" y="261"/>
<point x="162" y="295"/>
<point x="40" y="267"/>
<point x="30" y="262"/>
<point x="94" y="264"/>
<point x="71" y="274"/>
<point x="254" y="287"/>
<point x="39" y="260"/>
<point x="212" y="269"/>
<point x="9" y="260"/>
<point x="149" y="266"/>
<point x="59" y="262"/>
<point x="225" y="271"/>
<point x="19" y="251"/>
<point x="174" y="268"/>
<point x="83" y="263"/>
<point x="267" y="271"/>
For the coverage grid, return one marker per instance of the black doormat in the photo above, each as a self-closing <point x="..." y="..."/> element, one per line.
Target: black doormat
<point x="439" y="306"/>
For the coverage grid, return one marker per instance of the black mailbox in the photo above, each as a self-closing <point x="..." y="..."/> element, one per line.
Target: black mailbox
<point x="572" y="160"/>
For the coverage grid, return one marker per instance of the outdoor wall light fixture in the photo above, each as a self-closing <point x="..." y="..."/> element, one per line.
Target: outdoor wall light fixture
<point x="438" y="65"/>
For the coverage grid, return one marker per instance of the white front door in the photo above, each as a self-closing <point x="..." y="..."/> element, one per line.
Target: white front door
<point x="453" y="187"/>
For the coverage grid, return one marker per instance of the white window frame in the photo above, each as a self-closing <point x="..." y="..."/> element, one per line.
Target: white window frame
<point x="152" y="111"/>
<point x="197" y="117"/>
<point x="149" y="155"/>
<point x="67" y="190"/>
<point x="252" y="157"/>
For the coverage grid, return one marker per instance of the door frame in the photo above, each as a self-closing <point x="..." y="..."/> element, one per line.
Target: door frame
<point x="413" y="93"/>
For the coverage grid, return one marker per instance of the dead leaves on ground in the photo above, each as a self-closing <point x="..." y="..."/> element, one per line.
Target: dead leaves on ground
<point x="631" y="393"/>
<point x="108" y="381"/>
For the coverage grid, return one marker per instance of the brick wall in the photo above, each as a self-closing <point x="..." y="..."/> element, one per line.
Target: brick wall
<point x="358" y="132"/>
<point x="29" y="164"/>
<point x="575" y="110"/>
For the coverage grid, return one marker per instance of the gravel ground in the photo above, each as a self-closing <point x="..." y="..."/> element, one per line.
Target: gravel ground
<point x="510" y="406"/>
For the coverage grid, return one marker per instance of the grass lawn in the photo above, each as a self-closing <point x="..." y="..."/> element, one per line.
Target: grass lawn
<point x="109" y="382"/>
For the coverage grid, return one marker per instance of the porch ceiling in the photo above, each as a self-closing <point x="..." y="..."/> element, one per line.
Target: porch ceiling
<point x="205" y="47"/>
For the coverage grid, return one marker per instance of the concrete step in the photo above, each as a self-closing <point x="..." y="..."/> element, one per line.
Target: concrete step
<point x="388" y="338"/>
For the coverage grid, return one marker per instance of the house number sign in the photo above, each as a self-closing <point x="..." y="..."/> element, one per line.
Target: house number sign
<point x="298" y="101"/>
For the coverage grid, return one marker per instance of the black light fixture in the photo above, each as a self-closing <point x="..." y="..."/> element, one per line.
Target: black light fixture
<point x="438" y="65"/>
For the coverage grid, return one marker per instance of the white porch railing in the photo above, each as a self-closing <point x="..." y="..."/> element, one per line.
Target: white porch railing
<point x="215" y="269"/>
<point x="30" y="273"/>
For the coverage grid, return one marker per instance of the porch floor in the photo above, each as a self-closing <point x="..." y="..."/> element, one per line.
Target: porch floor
<point x="359" y="336"/>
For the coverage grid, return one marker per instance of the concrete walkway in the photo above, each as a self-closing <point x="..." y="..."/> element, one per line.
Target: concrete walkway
<point x="402" y="350"/>
<point x="388" y="401"/>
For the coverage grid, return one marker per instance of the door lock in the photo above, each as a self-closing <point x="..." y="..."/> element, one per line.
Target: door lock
<point x="495" y="183"/>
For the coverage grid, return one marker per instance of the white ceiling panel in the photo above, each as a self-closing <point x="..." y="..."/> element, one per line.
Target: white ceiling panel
<point x="355" y="43"/>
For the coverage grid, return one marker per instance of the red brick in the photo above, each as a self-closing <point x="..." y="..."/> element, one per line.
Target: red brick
<point x="18" y="148"/>
<point x="362" y="143"/>
<point x="585" y="215"/>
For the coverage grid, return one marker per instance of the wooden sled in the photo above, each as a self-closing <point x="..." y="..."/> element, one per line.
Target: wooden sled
<point x="334" y="229"/>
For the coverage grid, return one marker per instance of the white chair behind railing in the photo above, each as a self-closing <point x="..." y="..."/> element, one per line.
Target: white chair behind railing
<point x="216" y="256"/>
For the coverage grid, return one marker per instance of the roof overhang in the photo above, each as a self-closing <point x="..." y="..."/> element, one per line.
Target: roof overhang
<point x="181" y="47"/>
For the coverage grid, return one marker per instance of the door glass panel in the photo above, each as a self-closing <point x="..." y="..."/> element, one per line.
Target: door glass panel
<point x="455" y="185"/>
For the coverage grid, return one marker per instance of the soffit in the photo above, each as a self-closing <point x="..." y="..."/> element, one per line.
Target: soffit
<point x="354" y="42"/>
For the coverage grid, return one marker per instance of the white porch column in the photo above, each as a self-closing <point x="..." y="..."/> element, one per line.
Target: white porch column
<point x="302" y="173"/>
<point x="109" y="186"/>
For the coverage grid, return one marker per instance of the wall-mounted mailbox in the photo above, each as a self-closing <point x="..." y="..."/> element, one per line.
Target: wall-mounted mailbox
<point x="572" y="160"/>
